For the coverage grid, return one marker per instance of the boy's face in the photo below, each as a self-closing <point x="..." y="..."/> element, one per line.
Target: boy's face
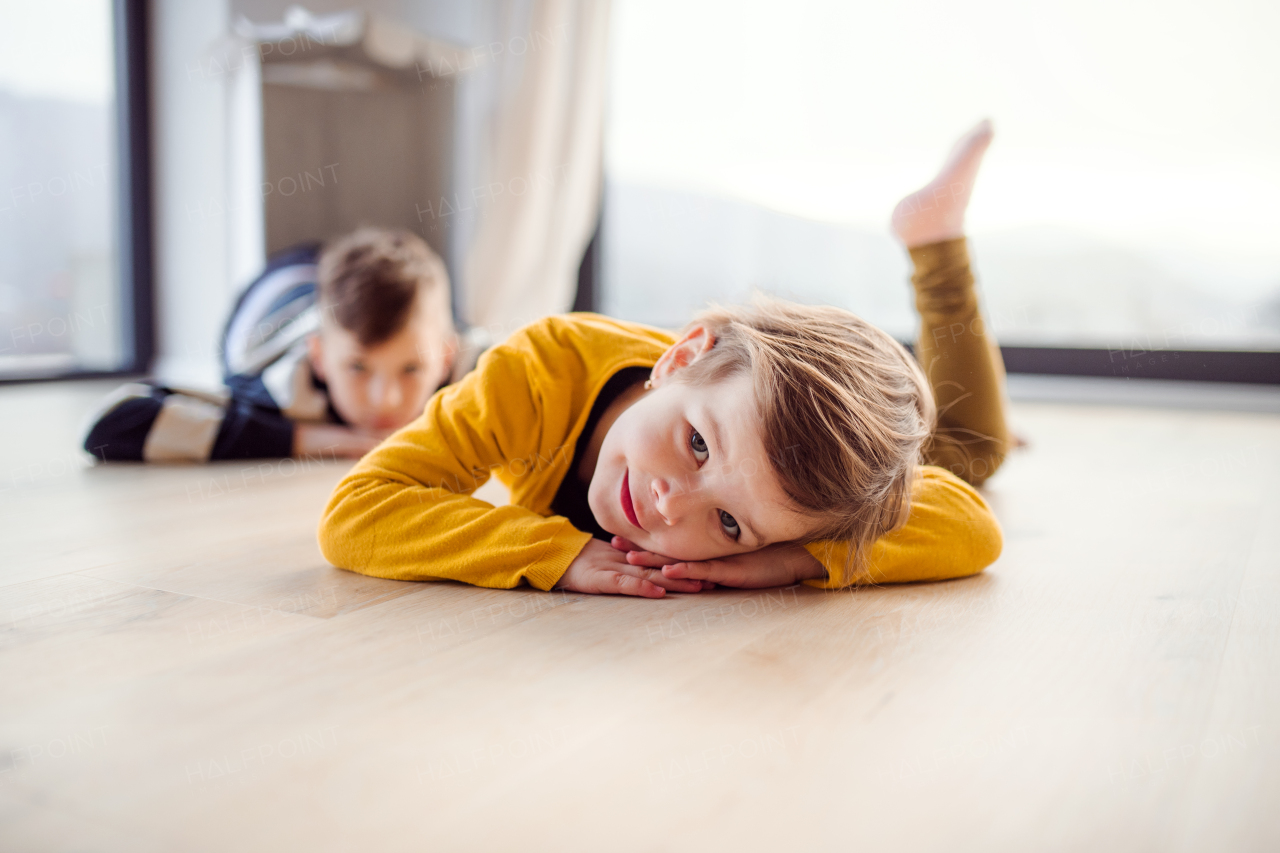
<point x="682" y="472"/>
<point x="385" y="386"/>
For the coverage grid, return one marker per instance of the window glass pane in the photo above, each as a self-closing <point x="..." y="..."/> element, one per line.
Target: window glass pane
<point x="1129" y="197"/>
<point x="59" y="289"/>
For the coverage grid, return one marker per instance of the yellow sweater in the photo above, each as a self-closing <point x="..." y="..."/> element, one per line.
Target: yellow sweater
<point x="406" y="512"/>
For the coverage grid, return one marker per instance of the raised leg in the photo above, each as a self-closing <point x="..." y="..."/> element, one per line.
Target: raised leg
<point x="956" y="350"/>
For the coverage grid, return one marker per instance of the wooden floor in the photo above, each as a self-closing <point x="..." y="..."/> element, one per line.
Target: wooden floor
<point x="182" y="671"/>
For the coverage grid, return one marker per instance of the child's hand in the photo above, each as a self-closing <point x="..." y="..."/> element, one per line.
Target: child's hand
<point x="605" y="570"/>
<point x="775" y="565"/>
<point x="333" y="440"/>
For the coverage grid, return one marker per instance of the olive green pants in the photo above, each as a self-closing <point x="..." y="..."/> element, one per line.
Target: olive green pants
<point x="962" y="361"/>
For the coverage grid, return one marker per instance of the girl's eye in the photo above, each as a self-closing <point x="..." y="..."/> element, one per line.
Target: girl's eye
<point x="410" y="369"/>
<point x="699" y="446"/>
<point x="357" y="367"/>
<point x="730" y="525"/>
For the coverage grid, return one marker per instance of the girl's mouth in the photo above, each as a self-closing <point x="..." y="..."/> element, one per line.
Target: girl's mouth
<point x="628" y="508"/>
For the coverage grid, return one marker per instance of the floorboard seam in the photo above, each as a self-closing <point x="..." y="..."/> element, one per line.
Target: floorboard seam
<point x="200" y="597"/>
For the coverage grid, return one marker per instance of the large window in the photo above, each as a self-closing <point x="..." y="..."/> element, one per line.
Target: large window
<point x="64" y="304"/>
<point x="1128" y="203"/>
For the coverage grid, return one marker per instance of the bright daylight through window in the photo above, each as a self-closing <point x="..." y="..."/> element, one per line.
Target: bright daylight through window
<point x="60" y="305"/>
<point x="1129" y="198"/>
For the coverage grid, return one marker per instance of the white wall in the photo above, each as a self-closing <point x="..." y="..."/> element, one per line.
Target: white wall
<point x="189" y="120"/>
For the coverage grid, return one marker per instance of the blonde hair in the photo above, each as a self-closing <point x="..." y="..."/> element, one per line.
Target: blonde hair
<point x="844" y="410"/>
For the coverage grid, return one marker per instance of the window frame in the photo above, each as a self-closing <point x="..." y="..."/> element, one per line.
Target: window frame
<point x="1250" y="367"/>
<point x="1257" y="367"/>
<point x="133" y="144"/>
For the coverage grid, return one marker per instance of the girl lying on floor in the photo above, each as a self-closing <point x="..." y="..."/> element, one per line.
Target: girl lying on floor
<point x="762" y="446"/>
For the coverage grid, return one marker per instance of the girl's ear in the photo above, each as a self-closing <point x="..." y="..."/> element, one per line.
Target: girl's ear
<point x="695" y="342"/>
<point x="315" y="355"/>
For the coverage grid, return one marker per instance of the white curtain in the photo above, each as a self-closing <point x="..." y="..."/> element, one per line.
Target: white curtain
<point x="537" y="195"/>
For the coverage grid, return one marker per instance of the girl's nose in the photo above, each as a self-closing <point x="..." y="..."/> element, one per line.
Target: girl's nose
<point x="669" y="500"/>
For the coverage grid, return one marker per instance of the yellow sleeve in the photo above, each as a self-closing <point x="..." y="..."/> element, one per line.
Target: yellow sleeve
<point x="406" y="511"/>
<point x="950" y="533"/>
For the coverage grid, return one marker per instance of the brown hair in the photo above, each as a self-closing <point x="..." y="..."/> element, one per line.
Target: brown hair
<point x="370" y="280"/>
<point x="844" y="410"/>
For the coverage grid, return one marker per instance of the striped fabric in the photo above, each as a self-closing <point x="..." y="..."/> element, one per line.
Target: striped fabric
<point x="269" y="383"/>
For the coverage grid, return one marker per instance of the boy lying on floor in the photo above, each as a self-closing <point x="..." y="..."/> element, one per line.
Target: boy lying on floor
<point x="327" y="352"/>
<point x="761" y="446"/>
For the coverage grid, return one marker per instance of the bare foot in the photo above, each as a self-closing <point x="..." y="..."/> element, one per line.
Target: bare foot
<point x="935" y="212"/>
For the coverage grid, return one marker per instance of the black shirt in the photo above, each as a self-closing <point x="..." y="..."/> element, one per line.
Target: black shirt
<point x="571" y="498"/>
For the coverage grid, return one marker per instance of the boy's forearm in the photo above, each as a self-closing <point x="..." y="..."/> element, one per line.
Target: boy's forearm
<point x="325" y="440"/>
